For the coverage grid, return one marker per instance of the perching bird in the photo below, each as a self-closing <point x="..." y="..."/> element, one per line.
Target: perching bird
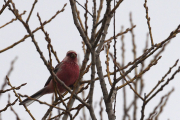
<point x="67" y="71"/>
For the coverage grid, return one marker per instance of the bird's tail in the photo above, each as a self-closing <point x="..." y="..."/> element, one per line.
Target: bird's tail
<point x="37" y="95"/>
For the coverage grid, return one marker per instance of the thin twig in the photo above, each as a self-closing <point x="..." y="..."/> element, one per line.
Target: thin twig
<point x="160" y="105"/>
<point x="83" y="7"/>
<point x="14" y="19"/>
<point x="99" y="10"/>
<point x="135" y="70"/>
<point x="38" y="28"/>
<point x="28" y="111"/>
<point x="121" y="33"/>
<point x="162" y="86"/>
<point x="107" y="63"/>
<point x="17" y="116"/>
<point x="162" y="80"/>
<point x="35" y="1"/>
<point x="8" y="105"/>
<point x="143" y="107"/>
<point x="148" y="22"/>
<point x="4" y="6"/>
<point x="41" y="102"/>
<point x="16" y="88"/>
<point x="8" y="74"/>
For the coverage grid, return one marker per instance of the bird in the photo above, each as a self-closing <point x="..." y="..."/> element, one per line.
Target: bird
<point x="67" y="71"/>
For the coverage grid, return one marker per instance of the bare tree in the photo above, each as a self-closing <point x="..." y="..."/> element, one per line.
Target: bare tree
<point x="94" y="44"/>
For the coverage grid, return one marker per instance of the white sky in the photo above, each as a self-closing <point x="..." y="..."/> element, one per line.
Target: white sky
<point x="29" y="68"/>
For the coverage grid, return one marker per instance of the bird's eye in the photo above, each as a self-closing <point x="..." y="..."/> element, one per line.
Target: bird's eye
<point x="72" y="55"/>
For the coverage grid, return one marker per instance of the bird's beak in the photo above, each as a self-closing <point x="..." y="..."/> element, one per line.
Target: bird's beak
<point x="73" y="55"/>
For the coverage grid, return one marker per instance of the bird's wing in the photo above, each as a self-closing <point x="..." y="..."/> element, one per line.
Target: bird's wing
<point x="58" y="66"/>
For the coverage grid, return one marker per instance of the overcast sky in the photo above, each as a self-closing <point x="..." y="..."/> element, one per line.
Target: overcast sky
<point x="30" y="69"/>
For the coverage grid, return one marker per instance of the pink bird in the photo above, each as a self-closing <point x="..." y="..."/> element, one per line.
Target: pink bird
<point x="67" y="71"/>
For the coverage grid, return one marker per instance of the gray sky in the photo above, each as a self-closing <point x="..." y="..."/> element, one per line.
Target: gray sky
<point x="29" y="68"/>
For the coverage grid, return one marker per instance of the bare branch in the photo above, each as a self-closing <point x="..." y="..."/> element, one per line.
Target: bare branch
<point x="4" y="6"/>
<point x="35" y="1"/>
<point x="14" y="19"/>
<point x="8" y="74"/>
<point x="8" y="105"/>
<point x="16" y="88"/>
<point x="148" y="22"/>
<point x="38" y="28"/>
<point x="19" y="98"/>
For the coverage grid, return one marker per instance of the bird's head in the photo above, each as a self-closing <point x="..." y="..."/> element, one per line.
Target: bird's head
<point x="71" y="56"/>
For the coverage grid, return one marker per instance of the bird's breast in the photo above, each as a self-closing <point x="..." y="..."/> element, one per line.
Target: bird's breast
<point x="69" y="73"/>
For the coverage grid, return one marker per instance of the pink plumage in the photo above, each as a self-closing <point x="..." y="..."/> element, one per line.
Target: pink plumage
<point x="67" y="71"/>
